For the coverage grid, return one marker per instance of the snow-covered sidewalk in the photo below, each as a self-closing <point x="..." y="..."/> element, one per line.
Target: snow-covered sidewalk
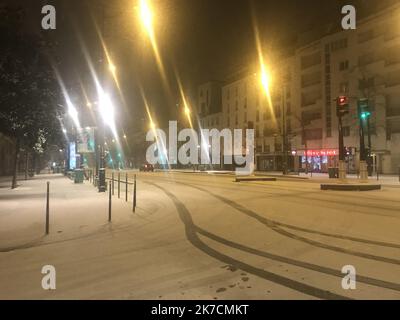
<point x="74" y="209"/>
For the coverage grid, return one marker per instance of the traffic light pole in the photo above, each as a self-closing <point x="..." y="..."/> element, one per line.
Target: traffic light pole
<point x="362" y="114"/>
<point x="102" y="170"/>
<point x="363" y="162"/>
<point x="369" y="157"/>
<point x="342" y="108"/>
<point x="342" y="157"/>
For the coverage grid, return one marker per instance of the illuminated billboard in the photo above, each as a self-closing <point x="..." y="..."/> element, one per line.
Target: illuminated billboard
<point x="72" y="155"/>
<point x="85" y="140"/>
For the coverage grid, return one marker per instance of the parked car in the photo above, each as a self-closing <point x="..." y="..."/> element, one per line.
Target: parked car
<point x="147" y="167"/>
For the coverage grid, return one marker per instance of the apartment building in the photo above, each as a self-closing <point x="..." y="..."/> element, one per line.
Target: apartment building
<point x="361" y="63"/>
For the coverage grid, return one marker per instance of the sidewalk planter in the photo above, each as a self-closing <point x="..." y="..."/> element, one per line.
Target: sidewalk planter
<point x="78" y="176"/>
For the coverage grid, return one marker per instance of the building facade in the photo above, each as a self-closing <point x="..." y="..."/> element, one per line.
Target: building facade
<point x="361" y="63"/>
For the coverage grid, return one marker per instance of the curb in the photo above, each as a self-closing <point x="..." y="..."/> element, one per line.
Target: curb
<point x="351" y="187"/>
<point x="254" y="179"/>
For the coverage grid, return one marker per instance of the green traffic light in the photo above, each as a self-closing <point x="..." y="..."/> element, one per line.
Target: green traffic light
<point x="365" y="115"/>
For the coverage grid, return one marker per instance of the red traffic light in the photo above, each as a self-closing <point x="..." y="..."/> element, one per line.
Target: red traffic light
<point x="342" y="100"/>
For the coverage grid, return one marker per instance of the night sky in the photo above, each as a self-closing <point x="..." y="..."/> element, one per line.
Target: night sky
<point x="200" y="40"/>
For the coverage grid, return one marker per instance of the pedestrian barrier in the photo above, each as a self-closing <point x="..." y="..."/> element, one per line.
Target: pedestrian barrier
<point x="118" y="182"/>
<point x="94" y="179"/>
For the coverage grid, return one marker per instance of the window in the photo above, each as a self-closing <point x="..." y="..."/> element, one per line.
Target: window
<point x="310" y="60"/>
<point x="346" y="131"/>
<point x="257" y="132"/>
<point x="236" y="120"/>
<point x="393" y="79"/>
<point x="344" y="65"/>
<point x="369" y="58"/>
<point x="236" y="105"/>
<point x="308" y="116"/>
<point x="245" y="117"/>
<point x="267" y="148"/>
<point x="339" y="44"/>
<point x="245" y="103"/>
<point x="310" y="98"/>
<point x="258" y="115"/>
<point x="310" y="79"/>
<point x="313" y="134"/>
<point x="392" y="55"/>
<point x="366" y="35"/>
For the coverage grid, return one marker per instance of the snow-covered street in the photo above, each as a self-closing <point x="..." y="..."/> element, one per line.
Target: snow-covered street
<point x="199" y="236"/>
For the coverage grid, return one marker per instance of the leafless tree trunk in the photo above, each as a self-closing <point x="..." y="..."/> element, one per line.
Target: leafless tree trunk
<point x="15" y="169"/>
<point x="26" y="164"/>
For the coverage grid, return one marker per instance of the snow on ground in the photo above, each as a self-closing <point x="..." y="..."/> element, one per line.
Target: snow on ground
<point x="199" y="237"/>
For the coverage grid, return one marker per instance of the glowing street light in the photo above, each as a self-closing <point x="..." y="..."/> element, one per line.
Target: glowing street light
<point x="265" y="78"/>
<point x="107" y="110"/>
<point x="146" y="16"/>
<point x="73" y="113"/>
<point x="187" y="111"/>
<point x="112" y="68"/>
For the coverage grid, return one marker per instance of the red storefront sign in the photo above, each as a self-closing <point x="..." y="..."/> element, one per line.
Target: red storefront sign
<point x="319" y="153"/>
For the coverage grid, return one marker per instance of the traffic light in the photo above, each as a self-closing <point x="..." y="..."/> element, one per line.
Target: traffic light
<point x="363" y="108"/>
<point x="342" y="105"/>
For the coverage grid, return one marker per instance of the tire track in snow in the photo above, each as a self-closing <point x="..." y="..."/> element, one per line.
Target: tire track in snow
<point x="193" y="238"/>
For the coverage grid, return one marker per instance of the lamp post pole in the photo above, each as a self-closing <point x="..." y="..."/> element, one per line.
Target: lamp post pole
<point x="102" y="170"/>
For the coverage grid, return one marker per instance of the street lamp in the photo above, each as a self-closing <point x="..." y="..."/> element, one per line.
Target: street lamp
<point x="146" y="17"/>
<point x="266" y="84"/>
<point x="106" y="109"/>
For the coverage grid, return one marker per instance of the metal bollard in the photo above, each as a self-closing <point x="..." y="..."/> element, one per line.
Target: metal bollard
<point x="48" y="208"/>
<point x="109" y="203"/>
<point x="112" y="177"/>
<point x="119" y="184"/>
<point x="134" y="193"/>
<point x="126" y="187"/>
